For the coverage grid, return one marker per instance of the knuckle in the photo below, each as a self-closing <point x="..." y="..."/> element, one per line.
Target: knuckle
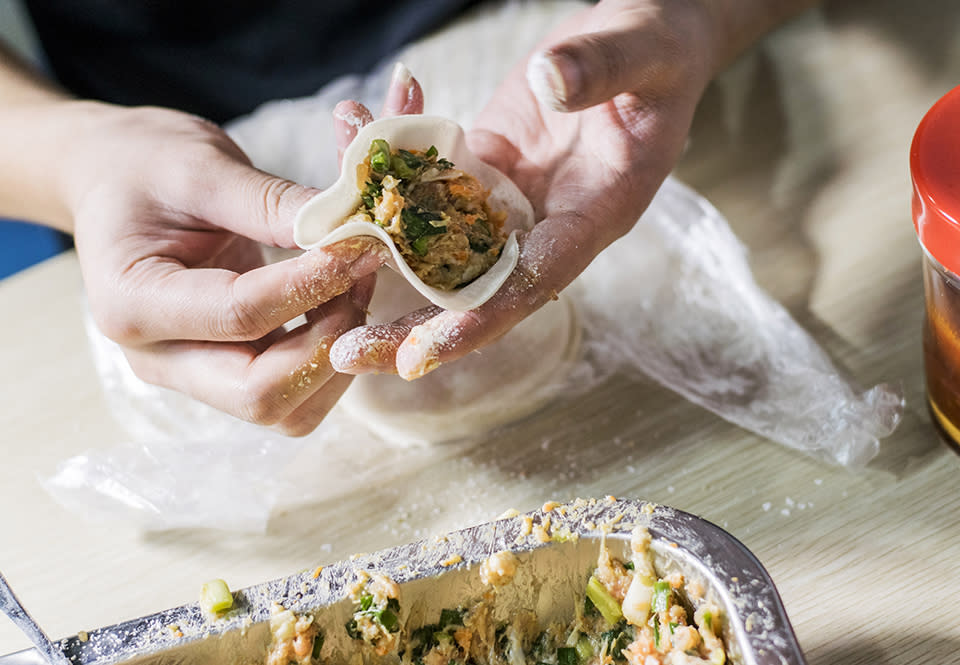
<point x="296" y="428"/>
<point x="274" y="192"/>
<point x="193" y="181"/>
<point x="611" y="58"/>
<point x="117" y="329"/>
<point x="116" y="321"/>
<point x="196" y="156"/>
<point x="242" y="321"/>
<point x="260" y="403"/>
<point x="145" y="370"/>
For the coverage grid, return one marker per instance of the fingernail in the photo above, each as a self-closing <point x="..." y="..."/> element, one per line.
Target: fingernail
<point x="420" y="369"/>
<point x="398" y="91"/>
<point x="554" y="79"/>
<point x="420" y="352"/>
<point x="363" y="350"/>
<point x="401" y="76"/>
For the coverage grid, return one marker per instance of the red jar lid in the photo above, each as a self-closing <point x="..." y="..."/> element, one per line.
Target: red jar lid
<point x="935" y="170"/>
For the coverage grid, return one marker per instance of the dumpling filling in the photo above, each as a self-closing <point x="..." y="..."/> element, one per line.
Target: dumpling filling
<point x="437" y="215"/>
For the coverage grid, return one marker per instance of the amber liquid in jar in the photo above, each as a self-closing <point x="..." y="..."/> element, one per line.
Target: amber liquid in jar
<point x="941" y="348"/>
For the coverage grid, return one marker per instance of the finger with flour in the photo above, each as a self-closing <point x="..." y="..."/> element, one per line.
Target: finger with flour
<point x="404" y="97"/>
<point x="286" y="384"/>
<point x="373" y="348"/>
<point x="552" y="254"/>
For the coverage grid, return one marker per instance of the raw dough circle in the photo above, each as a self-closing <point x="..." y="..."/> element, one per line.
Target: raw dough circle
<point x="499" y="384"/>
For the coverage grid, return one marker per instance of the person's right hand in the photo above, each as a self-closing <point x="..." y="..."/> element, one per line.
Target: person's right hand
<point x="168" y="214"/>
<point x="587" y="126"/>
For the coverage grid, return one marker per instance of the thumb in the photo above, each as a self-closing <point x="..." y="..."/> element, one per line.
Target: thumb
<point x="638" y="54"/>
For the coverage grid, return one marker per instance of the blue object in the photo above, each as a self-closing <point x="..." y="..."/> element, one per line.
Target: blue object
<point x="22" y="245"/>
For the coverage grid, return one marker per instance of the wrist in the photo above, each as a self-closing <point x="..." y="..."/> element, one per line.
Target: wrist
<point x="40" y="140"/>
<point x="735" y="25"/>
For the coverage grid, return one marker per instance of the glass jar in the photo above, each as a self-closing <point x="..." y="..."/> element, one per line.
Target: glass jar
<point x="935" y="171"/>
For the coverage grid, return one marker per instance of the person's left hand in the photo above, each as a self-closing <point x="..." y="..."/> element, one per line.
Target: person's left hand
<point x="624" y="78"/>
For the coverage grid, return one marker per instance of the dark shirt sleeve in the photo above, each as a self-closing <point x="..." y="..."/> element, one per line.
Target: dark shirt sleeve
<point x="222" y="59"/>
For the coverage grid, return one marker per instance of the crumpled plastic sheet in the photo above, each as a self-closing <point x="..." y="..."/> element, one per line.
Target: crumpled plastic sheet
<point x="693" y="319"/>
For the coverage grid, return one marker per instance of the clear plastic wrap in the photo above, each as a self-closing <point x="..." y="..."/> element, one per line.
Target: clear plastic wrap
<point x="695" y="320"/>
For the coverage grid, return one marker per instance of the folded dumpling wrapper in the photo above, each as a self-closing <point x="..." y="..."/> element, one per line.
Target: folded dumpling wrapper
<point x="321" y="221"/>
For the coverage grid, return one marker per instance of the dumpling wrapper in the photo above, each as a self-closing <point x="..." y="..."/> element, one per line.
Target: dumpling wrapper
<point x="506" y="381"/>
<point x="321" y="221"/>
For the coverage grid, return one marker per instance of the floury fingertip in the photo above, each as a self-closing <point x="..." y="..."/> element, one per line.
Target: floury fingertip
<point x="353" y="114"/>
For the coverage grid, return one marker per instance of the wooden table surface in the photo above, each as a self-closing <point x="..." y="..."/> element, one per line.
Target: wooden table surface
<point x="803" y="145"/>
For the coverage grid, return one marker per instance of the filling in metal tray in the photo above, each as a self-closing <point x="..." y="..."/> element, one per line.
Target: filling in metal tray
<point x="591" y="582"/>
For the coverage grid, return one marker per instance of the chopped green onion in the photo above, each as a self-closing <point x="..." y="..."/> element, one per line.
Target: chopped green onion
<point x="540" y="645"/>
<point x="431" y="151"/>
<point x="215" y="596"/>
<point x="629" y="565"/>
<point x="708" y="620"/>
<point x="380" y="155"/>
<point x="419" y="246"/>
<point x="589" y="609"/>
<point x="655" y="625"/>
<point x="615" y="641"/>
<point x="352" y="629"/>
<point x="366" y="602"/>
<point x="660" y="600"/>
<point x="584" y="649"/>
<point x="317" y="646"/>
<point x="388" y="620"/>
<point x="370" y="194"/>
<point x="400" y="166"/>
<point x="423" y="639"/>
<point x="605" y="603"/>
<point x="567" y="656"/>
<point x="410" y="159"/>
<point x="418" y="222"/>
<point x="450" y="618"/>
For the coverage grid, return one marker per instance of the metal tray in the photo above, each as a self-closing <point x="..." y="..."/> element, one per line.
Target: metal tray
<point x="557" y="548"/>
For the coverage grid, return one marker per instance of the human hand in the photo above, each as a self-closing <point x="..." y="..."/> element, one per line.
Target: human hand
<point x="168" y="218"/>
<point x="622" y="80"/>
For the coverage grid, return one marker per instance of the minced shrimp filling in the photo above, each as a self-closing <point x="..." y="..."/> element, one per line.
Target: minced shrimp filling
<point x="629" y="615"/>
<point x="437" y="215"/>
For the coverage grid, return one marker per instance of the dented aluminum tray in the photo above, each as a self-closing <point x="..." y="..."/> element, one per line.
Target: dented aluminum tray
<point x="557" y="548"/>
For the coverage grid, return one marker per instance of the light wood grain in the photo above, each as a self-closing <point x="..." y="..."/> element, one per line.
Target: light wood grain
<point x="803" y="145"/>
